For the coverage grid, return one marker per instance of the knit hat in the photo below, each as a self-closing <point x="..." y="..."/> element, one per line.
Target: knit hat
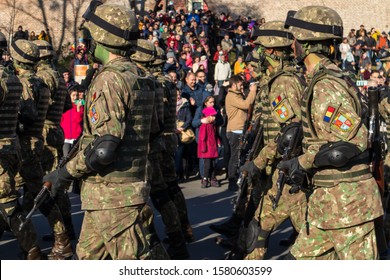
<point x="171" y="54"/>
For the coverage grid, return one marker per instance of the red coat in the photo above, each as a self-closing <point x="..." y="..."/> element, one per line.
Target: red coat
<point x="72" y="122"/>
<point x="207" y="141"/>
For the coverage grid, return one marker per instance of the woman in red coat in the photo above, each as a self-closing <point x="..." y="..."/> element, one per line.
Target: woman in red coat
<point x="208" y="143"/>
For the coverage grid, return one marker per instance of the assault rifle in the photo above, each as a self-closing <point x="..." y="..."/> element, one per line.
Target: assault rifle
<point x="376" y="144"/>
<point x="243" y="187"/>
<point x="293" y="149"/>
<point x="44" y="193"/>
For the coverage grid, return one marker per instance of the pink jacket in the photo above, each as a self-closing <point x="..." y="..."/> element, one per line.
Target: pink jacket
<point x="72" y="122"/>
<point x="207" y="141"/>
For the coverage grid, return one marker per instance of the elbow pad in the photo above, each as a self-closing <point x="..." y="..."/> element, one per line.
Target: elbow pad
<point x="336" y="154"/>
<point x="101" y="152"/>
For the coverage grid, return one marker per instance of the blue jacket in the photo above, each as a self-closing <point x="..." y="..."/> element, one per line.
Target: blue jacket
<point x="198" y="94"/>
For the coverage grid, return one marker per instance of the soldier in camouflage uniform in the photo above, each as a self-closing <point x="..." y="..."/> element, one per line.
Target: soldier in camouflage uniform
<point x="280" y="110"/>
<point x="159" y="193"/>
<point x="32" y="113"/>
<point x="344" y="197"/>
<point x="170" y="139"/>
<point x="112" y="156"/>
<point x="52" y="132"/>
<point x="10" y="210"/>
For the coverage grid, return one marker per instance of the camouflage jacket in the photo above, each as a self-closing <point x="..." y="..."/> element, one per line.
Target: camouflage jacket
<point x="119" y="103"/>
<point x="281" y="106"/>
<point x="345" y="196"/>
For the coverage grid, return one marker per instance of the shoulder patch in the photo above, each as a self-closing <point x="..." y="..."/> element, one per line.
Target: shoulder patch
<point x="329" y="113"/>
<point x="93" y="114"/>
<point x="276" y="101"/>
<point x="343" y="122"/>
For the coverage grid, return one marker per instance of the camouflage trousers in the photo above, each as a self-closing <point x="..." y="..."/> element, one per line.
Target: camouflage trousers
<point x="9" y="207"/>
<point x="352" y="243"/>
<point x="119" y="234"/>
<point x="168" y="169"/>
<point x="30" y="178"/>
<point x="291" y="206"/>
<point x="160" y="196"/>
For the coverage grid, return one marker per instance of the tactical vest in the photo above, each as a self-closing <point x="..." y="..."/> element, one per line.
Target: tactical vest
<point x="132" y="152"/>
<point x="331" y="176"/>
<point x="35" y="88"/>
<point x="10" y="91"/>
<point x="271" y="127"/>
<point x="58" y="92"/>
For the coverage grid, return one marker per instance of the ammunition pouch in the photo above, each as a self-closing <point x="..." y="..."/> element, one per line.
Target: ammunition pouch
<point x="338" y="155"/>
<point x="101" y="152"/>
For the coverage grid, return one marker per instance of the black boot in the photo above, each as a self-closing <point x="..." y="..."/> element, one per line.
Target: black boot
<point x="177" y="249"/>
<point x="229" y="228"/>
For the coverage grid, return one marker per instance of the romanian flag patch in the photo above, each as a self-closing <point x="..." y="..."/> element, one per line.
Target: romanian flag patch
<point x="329" y="113"/>
<point x="342" y="122"/>
<point x="276" y="101"/>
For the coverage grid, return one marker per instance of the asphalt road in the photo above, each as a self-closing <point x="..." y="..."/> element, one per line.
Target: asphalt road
<point x="205" y="207"/>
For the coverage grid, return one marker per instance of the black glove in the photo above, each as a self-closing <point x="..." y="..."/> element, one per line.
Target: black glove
<point x="253" y="171"/>
<point x="296" y="174"/>
<point x="59" y="179"/>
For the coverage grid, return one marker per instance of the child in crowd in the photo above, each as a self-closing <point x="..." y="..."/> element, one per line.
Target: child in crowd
<point x="72" y="120"/>
<point x="208" y="143"/>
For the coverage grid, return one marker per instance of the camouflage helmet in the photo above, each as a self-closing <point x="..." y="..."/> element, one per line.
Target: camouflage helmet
<point x="3" y="41"/>
<point x="273" y="34"/>
<point x="24" y="51"/>
<point x="111" y="25"/>
<point x="160" y="56"/>
<point x="384" y="55"/>
<point x="315" y="23"/>
<point x="144" y="52"/>
<point x="45" y="49"/>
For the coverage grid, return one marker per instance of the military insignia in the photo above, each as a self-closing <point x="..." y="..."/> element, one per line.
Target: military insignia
<point x="93" y="114"/>
<point x="342" y="122"/>
<point x="276" y="101"/>
<point x="329" y="113"/>
<point x="93" y="96"/>
<point x="282" y="112"/>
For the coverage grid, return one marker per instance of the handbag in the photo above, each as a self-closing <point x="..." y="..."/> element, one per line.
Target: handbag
<point x="187" y="136"/>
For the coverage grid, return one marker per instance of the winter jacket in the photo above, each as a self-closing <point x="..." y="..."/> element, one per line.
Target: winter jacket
<point x="237" y="109"/>
<point x="196" y="121"/>
<point x="72" y="122"/>
<point x="208" y="141"/>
